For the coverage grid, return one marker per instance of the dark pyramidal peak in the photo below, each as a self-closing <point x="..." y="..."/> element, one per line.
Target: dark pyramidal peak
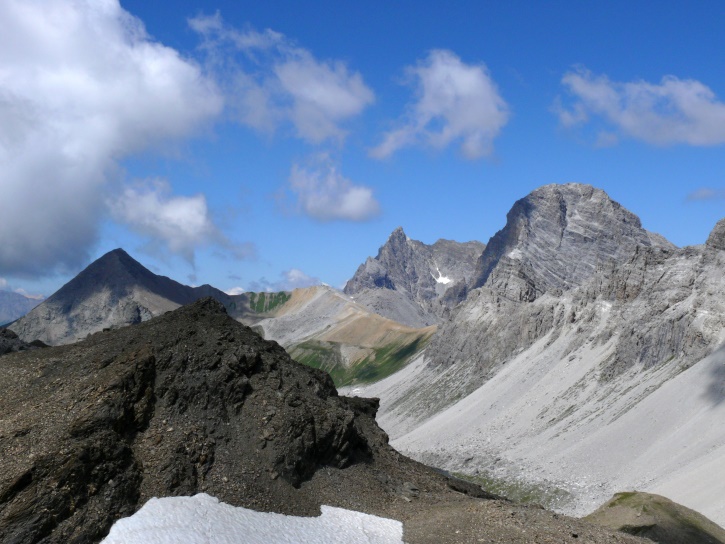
<point x="193" y="401"/>
<point x="113" y="291"/>
<point x="408" y="279"/>
<point x="118" y="271"/>
<point x="556" y="237"/>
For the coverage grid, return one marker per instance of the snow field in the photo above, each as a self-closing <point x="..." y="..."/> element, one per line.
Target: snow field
<point x="203" y="519"/>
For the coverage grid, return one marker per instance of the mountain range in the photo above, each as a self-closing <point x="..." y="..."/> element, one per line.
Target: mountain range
<point x="318" y="325"/>
<point x="585" y="360"/>
<point x="574" y="355"/>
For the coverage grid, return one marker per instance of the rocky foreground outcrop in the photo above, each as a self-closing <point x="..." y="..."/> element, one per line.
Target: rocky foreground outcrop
<point x="194" y="401"/>
<point x="9" y="342"/>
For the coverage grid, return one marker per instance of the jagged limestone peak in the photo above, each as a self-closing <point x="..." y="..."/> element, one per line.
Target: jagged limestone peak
<point x="556" y="237"/>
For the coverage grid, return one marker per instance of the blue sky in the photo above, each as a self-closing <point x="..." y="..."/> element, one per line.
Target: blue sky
<point x="255" y="145"/>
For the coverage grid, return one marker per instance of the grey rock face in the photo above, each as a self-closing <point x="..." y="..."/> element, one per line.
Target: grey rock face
<point x="555" y="238"/>
<point x="716" y="240"/>
<point x="564" y="252"/>
<point x="407" y="281"/>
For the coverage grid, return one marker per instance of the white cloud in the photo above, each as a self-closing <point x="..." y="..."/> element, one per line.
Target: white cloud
<point x="456" y="102"/>
<point x="3" y="283"/>
<point x="675" y="111"/>
<point x="181" y="223"/>
<point x="277" y="82"/>
<point x="235" y="291"/>
<point x="293" y="278"/>
<point x="23" y="292"/>
<point x="324" y="194"/>
<point x="81" y="87"/>
<point x="706" y="193"/>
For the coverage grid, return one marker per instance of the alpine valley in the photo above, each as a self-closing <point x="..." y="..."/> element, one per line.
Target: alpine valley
<point x="573" y="357"/>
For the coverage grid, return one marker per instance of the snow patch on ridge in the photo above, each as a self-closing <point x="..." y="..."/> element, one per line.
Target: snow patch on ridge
<point x="515" y="254"/>
<point x="445" y="280"/>
<point x="203" y="519"/>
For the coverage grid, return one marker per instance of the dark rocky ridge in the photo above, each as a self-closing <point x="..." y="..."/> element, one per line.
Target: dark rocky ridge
<point x="400" y="282"/>
<point x="194" y="401"/>
<point x="9" y="342"/>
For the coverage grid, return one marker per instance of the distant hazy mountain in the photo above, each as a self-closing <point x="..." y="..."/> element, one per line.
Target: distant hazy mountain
<point x="14" y="305"/>
<point x="587" y="358"/>
<point x="408" y="280"/>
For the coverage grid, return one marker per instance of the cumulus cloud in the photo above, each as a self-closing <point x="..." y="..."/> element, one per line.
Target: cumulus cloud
<point x="456" y="102"/>
<point x="674" y="111"/>
<point x="293" y="278"/>
<point x="23" y="292"/>
<point x="81" y="87"/>
<point x="3" y="283"/>
<point x="275" y="82"/>
<point x="324" y="194"/>
<point x="180" y="223"/>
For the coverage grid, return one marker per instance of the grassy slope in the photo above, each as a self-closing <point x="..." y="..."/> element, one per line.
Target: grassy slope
<point x="379" y="362"/>
<point x="656" y="518"/>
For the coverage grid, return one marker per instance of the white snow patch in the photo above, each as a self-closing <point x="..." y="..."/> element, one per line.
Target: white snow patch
<point x="445" y="280"/>
<point x="515" y="254"/>
<point x="203" y="519"/>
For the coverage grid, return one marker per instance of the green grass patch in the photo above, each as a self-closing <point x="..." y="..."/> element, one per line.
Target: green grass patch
<point x="266" y="302"/>
<point x="385" y="361"/>
<point x="381" y="363"/>
<point x="323" y="355"/>
<point x="520" y="491"/>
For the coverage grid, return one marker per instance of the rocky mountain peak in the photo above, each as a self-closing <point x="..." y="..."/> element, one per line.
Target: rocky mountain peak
<point x="116" y="267"/>
<point x="113" y="291"/>
<point x="716" y="240"/>
<point x="418" y="274"/>
<point x="556" y="237"/>
<point x="398" y="235"/>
